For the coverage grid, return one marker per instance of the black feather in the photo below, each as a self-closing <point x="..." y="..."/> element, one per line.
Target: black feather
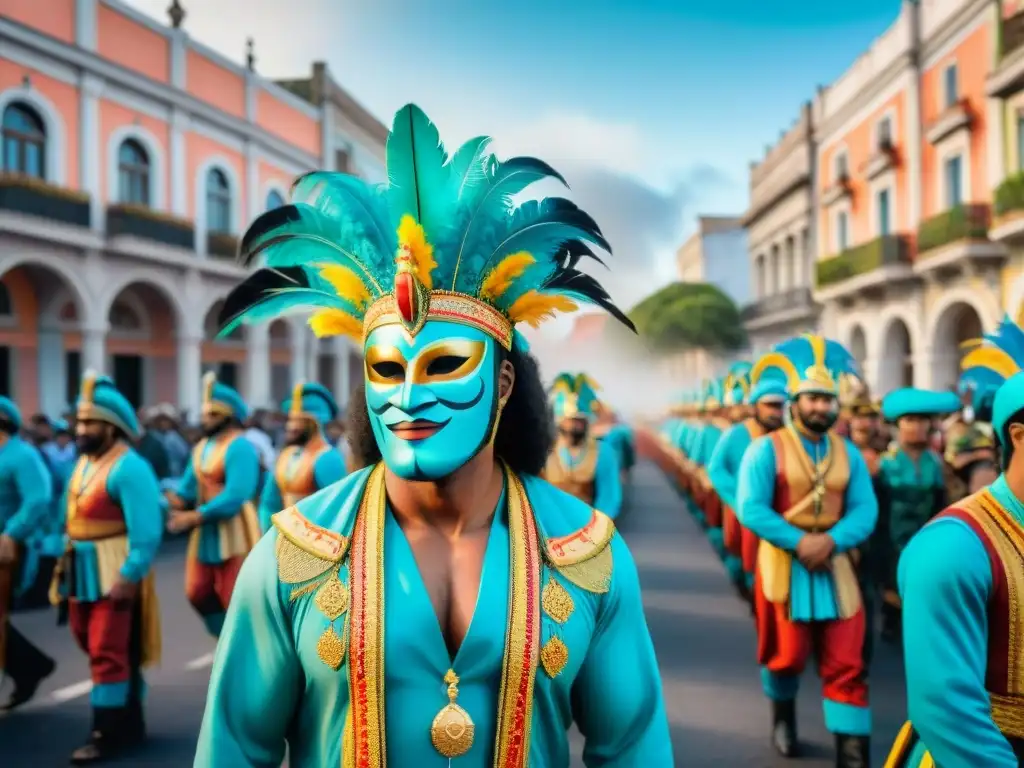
<point x="264" y="225"/>
<point x="574" y="250"/>
<point x="571" y="281"/>
<point x="255" y="288"/>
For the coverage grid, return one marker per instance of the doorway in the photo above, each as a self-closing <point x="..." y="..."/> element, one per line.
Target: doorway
<point x="128" y="378"/>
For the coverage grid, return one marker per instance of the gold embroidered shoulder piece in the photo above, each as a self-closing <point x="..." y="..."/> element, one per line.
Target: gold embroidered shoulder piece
<point x="585" y="557"/>
<point x="305" y="551"/>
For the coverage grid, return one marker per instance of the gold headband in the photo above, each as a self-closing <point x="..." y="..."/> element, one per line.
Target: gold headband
<point x="414" y="309"/>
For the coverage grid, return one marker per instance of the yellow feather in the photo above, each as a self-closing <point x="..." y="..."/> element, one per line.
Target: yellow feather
<point x="533" y="307"/>
<point x="500" y="278"/>
<point x="776" y="360"/>
<point x="817" y="348"/>
<point x="971" y="343"/>
<point x="412" y="236"/>
<point x="346" y="283"/>
<point x="88" y="387"/>
<point x="993" y="358"/>
<point x="334" y="322"/>
<point x="582" y="378"/>
<point x="209" y="379"/>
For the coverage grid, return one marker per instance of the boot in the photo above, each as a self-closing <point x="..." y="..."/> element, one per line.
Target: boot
<point x="784" y="728"/>
<point x="107" y="739"/>
<point x="27" y="667"/>
<point x="852" y="751"/>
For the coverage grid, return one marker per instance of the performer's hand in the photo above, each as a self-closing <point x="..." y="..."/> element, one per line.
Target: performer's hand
<point x="123" y="591"/>
<point x="8" y="550"/>
<point x="174" y="500"/>
<point x="814" y="550"/>
<point x="180" y="522"/>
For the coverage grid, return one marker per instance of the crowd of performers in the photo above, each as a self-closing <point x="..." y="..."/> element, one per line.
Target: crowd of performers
<point x="828" y="509"/>
<point x="435" y="599"/>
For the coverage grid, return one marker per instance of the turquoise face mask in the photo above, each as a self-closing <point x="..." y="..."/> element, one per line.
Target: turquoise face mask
<point x="432" y="400"/>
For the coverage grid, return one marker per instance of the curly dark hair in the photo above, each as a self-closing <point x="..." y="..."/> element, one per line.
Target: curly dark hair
<point x="526" y="433"/>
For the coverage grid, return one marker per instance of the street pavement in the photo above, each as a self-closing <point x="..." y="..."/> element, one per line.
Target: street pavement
<point x="704" y="638"/>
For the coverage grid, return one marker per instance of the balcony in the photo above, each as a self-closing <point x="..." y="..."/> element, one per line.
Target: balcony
<point x="838" y="190"/>
<point x="952" y="120"/>
<point x="1008" y="76"/>
<point x="790" y="306"/>
<point x="864" y="268"/>
<point x="33" y="197"/>
<point x="882" y="159"/>
<point x="957" y="240"/>
<point x="136" y="221"/>
<point x="1008" y="221"/>
<point x="221" y="245"/>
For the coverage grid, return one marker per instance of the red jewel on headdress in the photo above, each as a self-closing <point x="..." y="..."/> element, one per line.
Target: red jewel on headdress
<point x="405" y="288"/>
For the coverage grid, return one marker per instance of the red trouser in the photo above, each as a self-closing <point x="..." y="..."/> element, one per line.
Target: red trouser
<point x="784" y="646"/>
<point x="732" y="533"/>
<point x="712" y="507"/>
<point x="104" y="630"/>
<point x="748" y="547"/>
<point x="208" y="587"/>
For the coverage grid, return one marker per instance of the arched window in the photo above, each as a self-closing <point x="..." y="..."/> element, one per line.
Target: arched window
<point x="133" y="173"/>
<point x="274" y="200"/>
<point x="218" y="201"/>
<point x="24" y="141"/>
<point x="6" y="305"/>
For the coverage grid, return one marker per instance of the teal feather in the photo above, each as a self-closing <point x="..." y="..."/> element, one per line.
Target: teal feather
<point x="417" y="175"/>
<point x="271" y="293"/>
<point x="336" y="195"/>
<point x="466" y="167"/>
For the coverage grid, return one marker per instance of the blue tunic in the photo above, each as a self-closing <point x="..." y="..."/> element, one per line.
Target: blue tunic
<point x="328" y="468"/>
<point x="812" y="595"/>
<point x="607" y="479"/>
<point x="268" y="653"/>
<point x="723" y="472"/>
<point x="26" y="491"/>
<point x="945" y="580"/>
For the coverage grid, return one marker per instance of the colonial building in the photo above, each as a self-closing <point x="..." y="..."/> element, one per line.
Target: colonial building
<point x="909" y="150"/>
<point x="780" y="237"/>
<point x="133" y="157"/>
<point x="715" y="254"/>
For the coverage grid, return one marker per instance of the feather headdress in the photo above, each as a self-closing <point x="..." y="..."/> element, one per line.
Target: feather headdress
<point x="736" y="386"/>
<point x="809" y="363"/>
<point x="573" y="395"/>
<point x="441" y="240"/>
<point x="994" y="358"/>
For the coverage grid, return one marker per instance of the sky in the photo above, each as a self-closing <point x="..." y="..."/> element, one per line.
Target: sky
<point x="652" y="109"/>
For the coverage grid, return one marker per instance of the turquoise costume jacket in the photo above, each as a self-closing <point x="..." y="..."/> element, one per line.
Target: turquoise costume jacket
<point x="812" y="595"/>
<point x="241" y="484"/>
<point x="620" y="437"/>
<point x="268" y="653"/>
<point x="329" y="467"/>
<point x="133" y="487"/>
<point x="26" y="491"/>
<point x="724" y="466"/>
<point x="607" y="480"/>
<point x="945" y="580"/>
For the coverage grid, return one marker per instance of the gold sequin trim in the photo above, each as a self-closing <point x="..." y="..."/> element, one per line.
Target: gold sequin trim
<point x="593" y="575"/>
<point x="554" y="656"/>
<point x="556" y="601"/>
<point x="445" y="305"/>
<point x="296" y="565"/>
<point x="1008" y="714"/>
<point x="312" y="539"/>
<point x="332" y="598"/>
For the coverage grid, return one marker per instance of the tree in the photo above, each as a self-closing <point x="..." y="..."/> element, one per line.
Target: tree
<point x="689" y="315"/>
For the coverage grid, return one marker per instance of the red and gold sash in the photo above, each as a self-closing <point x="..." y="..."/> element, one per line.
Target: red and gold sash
<point x="364" y="736"/>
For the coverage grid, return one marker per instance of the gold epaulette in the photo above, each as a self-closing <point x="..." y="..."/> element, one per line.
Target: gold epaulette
<point x="585" y="557"/>
<point x="305" y="551"/>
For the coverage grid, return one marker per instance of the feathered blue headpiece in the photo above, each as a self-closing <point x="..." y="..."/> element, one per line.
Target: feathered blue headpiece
<point x="736" y="387"/>
<point x="990" y="365"/>
<point x="442" y="240"/>
<point x="809" y="363"/>
<point x="711" y="395"/>
<point x="574" y="395"/>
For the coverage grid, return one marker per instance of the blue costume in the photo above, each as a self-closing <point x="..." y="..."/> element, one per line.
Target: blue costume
<point x="588" y="469"/>
<point x="25" y="509"/>
<point x="305" y="467"/>
<point x="800" y="481"/>
<point x="960" y="580"/>
<point x="332" y="619"/>
<point x="114" y="526"/>
<point x="724" y="468"/>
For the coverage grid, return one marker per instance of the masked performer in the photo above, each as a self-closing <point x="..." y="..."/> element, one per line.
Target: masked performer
<point x="309" y="462"/>
<point x="114" y="521"/>
<point x="25" y="509"/>
<point x="910" y="487"/>
<point x="214" y="501"/>
<point x="445" y="602"/>
<point x="767" y="397"/>
<point x="960" y="579"/>
<point x="807" y="494"/>
<point x="580" y="464"/>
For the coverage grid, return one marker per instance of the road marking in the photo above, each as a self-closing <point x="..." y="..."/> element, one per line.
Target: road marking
<point x="204" y="661"/>
<point x="72" y="691"/>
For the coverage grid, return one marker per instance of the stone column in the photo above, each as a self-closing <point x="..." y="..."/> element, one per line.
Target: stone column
<point x="300" y="346"/>
<point x="89" y="149"/>
<point x="94" y="349"/>
<point x="190" y="376"/>
<point x="176" y="160"/>
<point x="257" y="366"/>
<point x="53" y="373"/>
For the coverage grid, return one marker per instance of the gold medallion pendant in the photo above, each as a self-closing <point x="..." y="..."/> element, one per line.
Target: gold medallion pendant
<point x="452" y="729"/>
